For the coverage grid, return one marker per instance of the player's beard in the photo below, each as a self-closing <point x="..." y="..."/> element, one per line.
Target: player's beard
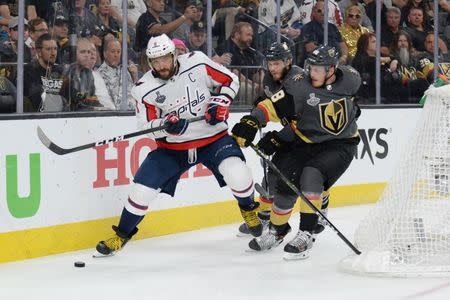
<point x="167" y="72"/>
<point x="282" y="74"/>
<point x="403" y="54"/>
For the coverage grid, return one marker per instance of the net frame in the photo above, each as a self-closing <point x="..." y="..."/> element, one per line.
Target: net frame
<point x="407" y="233"/>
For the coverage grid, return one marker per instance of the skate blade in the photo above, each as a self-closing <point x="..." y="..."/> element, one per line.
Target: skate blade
<point x="250" y="250"/>
<point x="99" y="255"/>
<point x="296" y="256"/>
<point x="241" y="234"/>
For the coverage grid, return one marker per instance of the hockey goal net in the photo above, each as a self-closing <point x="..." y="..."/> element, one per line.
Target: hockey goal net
<point x="408" y="231"/>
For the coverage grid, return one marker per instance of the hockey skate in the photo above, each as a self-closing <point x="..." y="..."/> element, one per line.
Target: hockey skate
<point x="264" y="217"/>
<point x="251" y="219"/>
<point x="115" y="243"/>
<point x="299" y="247"/>
<point x="270" y="238"/>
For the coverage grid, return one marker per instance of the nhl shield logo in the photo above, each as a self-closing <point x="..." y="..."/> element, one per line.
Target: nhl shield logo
<point x="313" y="100"/>
<point x="333" y="116"/>
<point x="160" y="98"/>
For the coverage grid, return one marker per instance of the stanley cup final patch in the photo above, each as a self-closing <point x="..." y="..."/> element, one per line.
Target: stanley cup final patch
<point x="333" y="116"/>
<point x="313" y="100"/>
<point x="160" y="98"/>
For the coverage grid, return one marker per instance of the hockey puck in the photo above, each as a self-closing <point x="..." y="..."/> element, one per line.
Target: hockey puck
<point x="79" y="264"/>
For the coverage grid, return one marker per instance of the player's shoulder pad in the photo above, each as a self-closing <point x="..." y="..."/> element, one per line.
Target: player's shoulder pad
<point x="351" y="79"/>
<point x="296" y="73"/>
<point x="145" y="84"/>
<point x="193" y="58"/>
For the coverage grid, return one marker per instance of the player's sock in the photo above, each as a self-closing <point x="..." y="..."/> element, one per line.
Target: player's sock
<point x="128" y="221"/>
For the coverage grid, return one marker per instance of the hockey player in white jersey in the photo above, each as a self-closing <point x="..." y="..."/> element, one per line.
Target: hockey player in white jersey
<point x="173" y="91"/>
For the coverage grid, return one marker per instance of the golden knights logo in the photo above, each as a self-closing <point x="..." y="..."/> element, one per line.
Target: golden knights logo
<point x="333" y="116"/>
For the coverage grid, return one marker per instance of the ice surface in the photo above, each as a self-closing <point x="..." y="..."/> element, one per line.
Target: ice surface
<point x="211" y="264"/>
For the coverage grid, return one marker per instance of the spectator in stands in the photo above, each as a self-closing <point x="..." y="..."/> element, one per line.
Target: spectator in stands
<point x="313" y="32"/>
<point x="43" y="79"/>
<point x="182" y="32"/>
<point x="135" y="9"/>
<point x="111" y="72"/>
<point x="46" y="9"/>
<point x="87" y="23"/>
<point x="85" y="90"/>
<point x="180" y="47"/>
<point x="150" y="23"/>
<point x="289" y="18"/>
<point x="238" y="46"/>
<point x="399" y="3"/>
<point x="8" y="50"/>
<point x="365" y="21"/>
<point x="443" y="54"/>
<point x="60" y="31"/>
<point x="227" y="13"/>
<point x="389" y="29"/>
<point x="108" y="23"/>
<point x="417" y="29"/>
<point x="445" y="7"/>
<point x="371" y="10"/>
<point x="36" y="28"/>
<point x="421" y="4"/>
<point x="7" y="96"/>
<point x="10" y="8"/>
<point x="334" y="12"/>
<point x="352" y="29"/>
<point x="409" y="77"/>
<point x="197" y="42"/>
<point x="365" y="63"/>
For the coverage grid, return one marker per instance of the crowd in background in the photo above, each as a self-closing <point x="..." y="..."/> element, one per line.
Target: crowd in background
<point x="59" y="76"/>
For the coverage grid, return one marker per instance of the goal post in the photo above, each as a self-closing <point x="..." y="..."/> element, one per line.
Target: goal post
<point x="407" y="233"/>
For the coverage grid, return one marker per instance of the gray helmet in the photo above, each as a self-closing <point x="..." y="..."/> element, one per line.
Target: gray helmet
<point x="278" y="51"/>
<point x="323" y="56"/>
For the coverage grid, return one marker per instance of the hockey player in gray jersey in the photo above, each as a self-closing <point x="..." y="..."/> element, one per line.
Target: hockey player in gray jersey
<point x="318" y="146"/>
<point x="281" y="74"/>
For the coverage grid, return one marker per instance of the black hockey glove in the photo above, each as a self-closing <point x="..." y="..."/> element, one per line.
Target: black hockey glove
<point x="175" y="125"/>
<point x="244" y="132"/>
<point x="270" y="143"/>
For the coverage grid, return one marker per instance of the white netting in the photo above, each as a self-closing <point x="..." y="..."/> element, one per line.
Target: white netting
<point x="408" y="231"/>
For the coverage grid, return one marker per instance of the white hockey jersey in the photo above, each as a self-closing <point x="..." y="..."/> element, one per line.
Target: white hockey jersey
<point x="186" y="94"/>
<point x="289" y="13"/>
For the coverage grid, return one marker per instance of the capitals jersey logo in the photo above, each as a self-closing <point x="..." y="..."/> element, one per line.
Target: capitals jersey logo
<point x="333" y="116"/>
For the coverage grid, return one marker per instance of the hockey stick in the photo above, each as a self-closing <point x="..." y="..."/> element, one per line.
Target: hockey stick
<point x="300" y="194"/>
<point x="62" y="151"/>
<point x="262" y="191"/>
<point x="266" y="192"/>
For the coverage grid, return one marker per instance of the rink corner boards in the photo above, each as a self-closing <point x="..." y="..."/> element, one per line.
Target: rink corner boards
<point x="37" y="242"/>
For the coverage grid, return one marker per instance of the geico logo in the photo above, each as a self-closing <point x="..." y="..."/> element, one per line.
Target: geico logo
<point x="373" y="142"/>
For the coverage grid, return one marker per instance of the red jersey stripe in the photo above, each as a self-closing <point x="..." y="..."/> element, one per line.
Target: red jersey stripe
<point x="191" y="144"/>
<point x="151" y="111"/>
<point x="218" y="76"/>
